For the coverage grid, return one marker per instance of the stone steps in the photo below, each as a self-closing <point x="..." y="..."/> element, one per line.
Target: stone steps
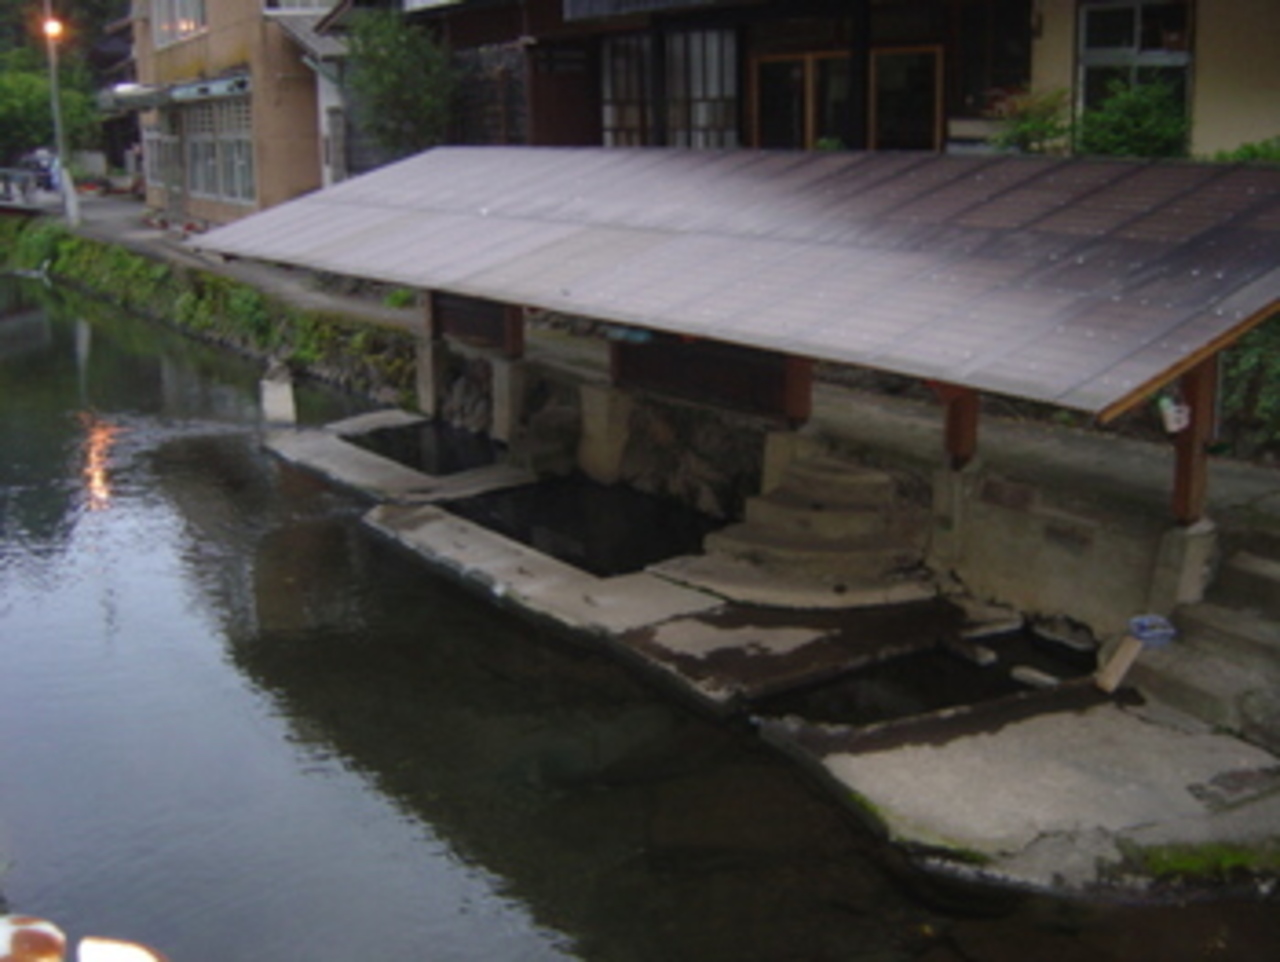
<point x="1224" y="667"/>
<point x="829" y="520"/>
<point x="845" y="558"/>
<point x="1250" y="581"/>
<point x="1240" y="636"/>
<point x="1210" y="688"/>
<point x="832" y="481"/>
<point x="787" y="509"/>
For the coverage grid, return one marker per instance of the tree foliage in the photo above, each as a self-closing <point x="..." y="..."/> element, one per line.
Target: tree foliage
<point x="26" y="120"/>
<point x="403" y="81"/>
<point x="1136" y="120"/>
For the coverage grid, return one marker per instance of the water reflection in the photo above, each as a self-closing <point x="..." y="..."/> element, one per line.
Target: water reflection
<point x="99" y="437"/>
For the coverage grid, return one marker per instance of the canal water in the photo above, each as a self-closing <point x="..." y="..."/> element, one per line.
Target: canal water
<point x="236" y="726"/>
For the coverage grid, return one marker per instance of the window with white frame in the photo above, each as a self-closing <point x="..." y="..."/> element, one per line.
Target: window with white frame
<point x="160" y="144"/>
<point x="218" y="150"/>
<point x="174" y="20"/>
<point x="1133" y="43"/>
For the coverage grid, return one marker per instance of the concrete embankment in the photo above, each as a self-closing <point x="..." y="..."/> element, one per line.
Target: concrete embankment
<point x="1063" y="791"/>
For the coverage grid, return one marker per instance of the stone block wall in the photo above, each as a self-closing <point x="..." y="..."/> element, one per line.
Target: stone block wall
<point x="1048" y="553"/>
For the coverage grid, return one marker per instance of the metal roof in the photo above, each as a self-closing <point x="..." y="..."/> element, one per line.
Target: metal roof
<point x="301" y="26"/>
<point x="1080" y="283"/>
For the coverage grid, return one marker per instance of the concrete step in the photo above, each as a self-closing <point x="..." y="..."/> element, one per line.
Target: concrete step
<point x="791" y="511"/>
<point x="752" y="584"/>
<point x="1213" y="689"/>
<point x="1249" y="581"/>
<point x="837" y="482"/>
<point x="1243" y="637"/>
<point x="851" y="558"/>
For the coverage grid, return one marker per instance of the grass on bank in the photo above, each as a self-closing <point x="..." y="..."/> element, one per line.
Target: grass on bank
<point x="361" y="357"/>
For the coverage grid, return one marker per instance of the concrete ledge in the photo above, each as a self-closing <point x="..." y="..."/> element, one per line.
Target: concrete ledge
<point x="537" y="583"/>
<point x="1049" y="802"/>
<point x="327" y="453"/>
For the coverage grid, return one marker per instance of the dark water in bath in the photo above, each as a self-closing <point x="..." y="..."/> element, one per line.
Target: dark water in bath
<point x="236" y="726"/>
<point x="431" y="447"/>
<point x="607" y="530"/>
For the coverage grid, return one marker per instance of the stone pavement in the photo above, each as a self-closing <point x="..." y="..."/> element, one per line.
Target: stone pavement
<point x="1065" y="790"/>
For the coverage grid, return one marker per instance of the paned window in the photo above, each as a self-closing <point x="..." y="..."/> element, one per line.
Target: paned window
<point x="691" y="101"/>
<point x="1134" y="43"/>
<point x="702" y="89"/>
<point x="174" y="20"/>
<point x="625" y="91"/>
<point x="160" y="146"/>
<point x="217" y="137"/>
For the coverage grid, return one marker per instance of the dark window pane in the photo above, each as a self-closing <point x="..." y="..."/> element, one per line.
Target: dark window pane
<point x="1164" y="26"/>
<point x="833" y="98"/>
<point x="1109" y="28"/>
<point x="782" y="104"/>
<point x="906" y="101"/>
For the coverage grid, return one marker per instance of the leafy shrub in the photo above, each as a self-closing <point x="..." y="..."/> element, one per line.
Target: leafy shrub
<point x="401" y="297"/>
<point x="1259" y="152"/>
<point x="1136" y="120"/>
<point x="1251" y="391"/>
<point x="1033" y="123"/>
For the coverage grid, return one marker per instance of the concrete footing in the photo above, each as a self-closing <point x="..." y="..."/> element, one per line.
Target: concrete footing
<point x="276" y="390"/>
<point x="606" y="419"/>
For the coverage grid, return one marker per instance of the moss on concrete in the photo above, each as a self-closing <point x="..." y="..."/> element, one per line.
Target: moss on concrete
<point x="357" y="355"/>
<point x="1216" y="862"/>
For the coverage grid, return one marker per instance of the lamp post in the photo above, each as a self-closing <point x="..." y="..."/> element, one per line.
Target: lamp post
<point x="52" y="32"/>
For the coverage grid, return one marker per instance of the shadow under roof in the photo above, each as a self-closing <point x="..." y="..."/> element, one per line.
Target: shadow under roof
<point x="1081" y="283"/>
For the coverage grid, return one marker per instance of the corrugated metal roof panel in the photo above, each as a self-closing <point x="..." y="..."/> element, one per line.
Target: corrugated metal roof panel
<point x="1073" y="282"/>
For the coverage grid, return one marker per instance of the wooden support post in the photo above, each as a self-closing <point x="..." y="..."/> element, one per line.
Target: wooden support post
<point x="432" y="319"/>
<point x="797" y="389"/>
<point x="963" y="407"/>
<point x="513" y="332"/>
<point x="1191" y="477"/>
<point x="432" y="356"/>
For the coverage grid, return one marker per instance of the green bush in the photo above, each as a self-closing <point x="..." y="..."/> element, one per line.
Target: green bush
<point x="1251" y="391"/>
<point x="401" y="297"/>
<point x="1136" y="120"/>
<point x="216" y="308"/>
<point x="1033" y="123"/>
<point x="1259" y="152"/>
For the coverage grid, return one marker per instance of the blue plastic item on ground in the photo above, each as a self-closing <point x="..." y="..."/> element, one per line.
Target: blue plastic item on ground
<point x="1153" y="631"/>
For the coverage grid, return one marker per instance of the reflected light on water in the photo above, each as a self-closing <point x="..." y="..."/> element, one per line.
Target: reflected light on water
<point x="99" y="436"/>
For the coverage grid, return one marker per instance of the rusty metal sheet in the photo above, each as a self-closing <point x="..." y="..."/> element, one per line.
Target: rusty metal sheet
<point x="1072" y="282"/>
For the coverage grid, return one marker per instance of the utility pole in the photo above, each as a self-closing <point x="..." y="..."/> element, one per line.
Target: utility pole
<point x="52" y="33"/>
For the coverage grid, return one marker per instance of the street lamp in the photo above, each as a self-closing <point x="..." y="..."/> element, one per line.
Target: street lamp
<point x="52" y="33"/>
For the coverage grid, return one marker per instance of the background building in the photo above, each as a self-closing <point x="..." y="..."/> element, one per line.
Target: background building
<point x="1219" y="54"/>
<point x="235" y="128"/>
